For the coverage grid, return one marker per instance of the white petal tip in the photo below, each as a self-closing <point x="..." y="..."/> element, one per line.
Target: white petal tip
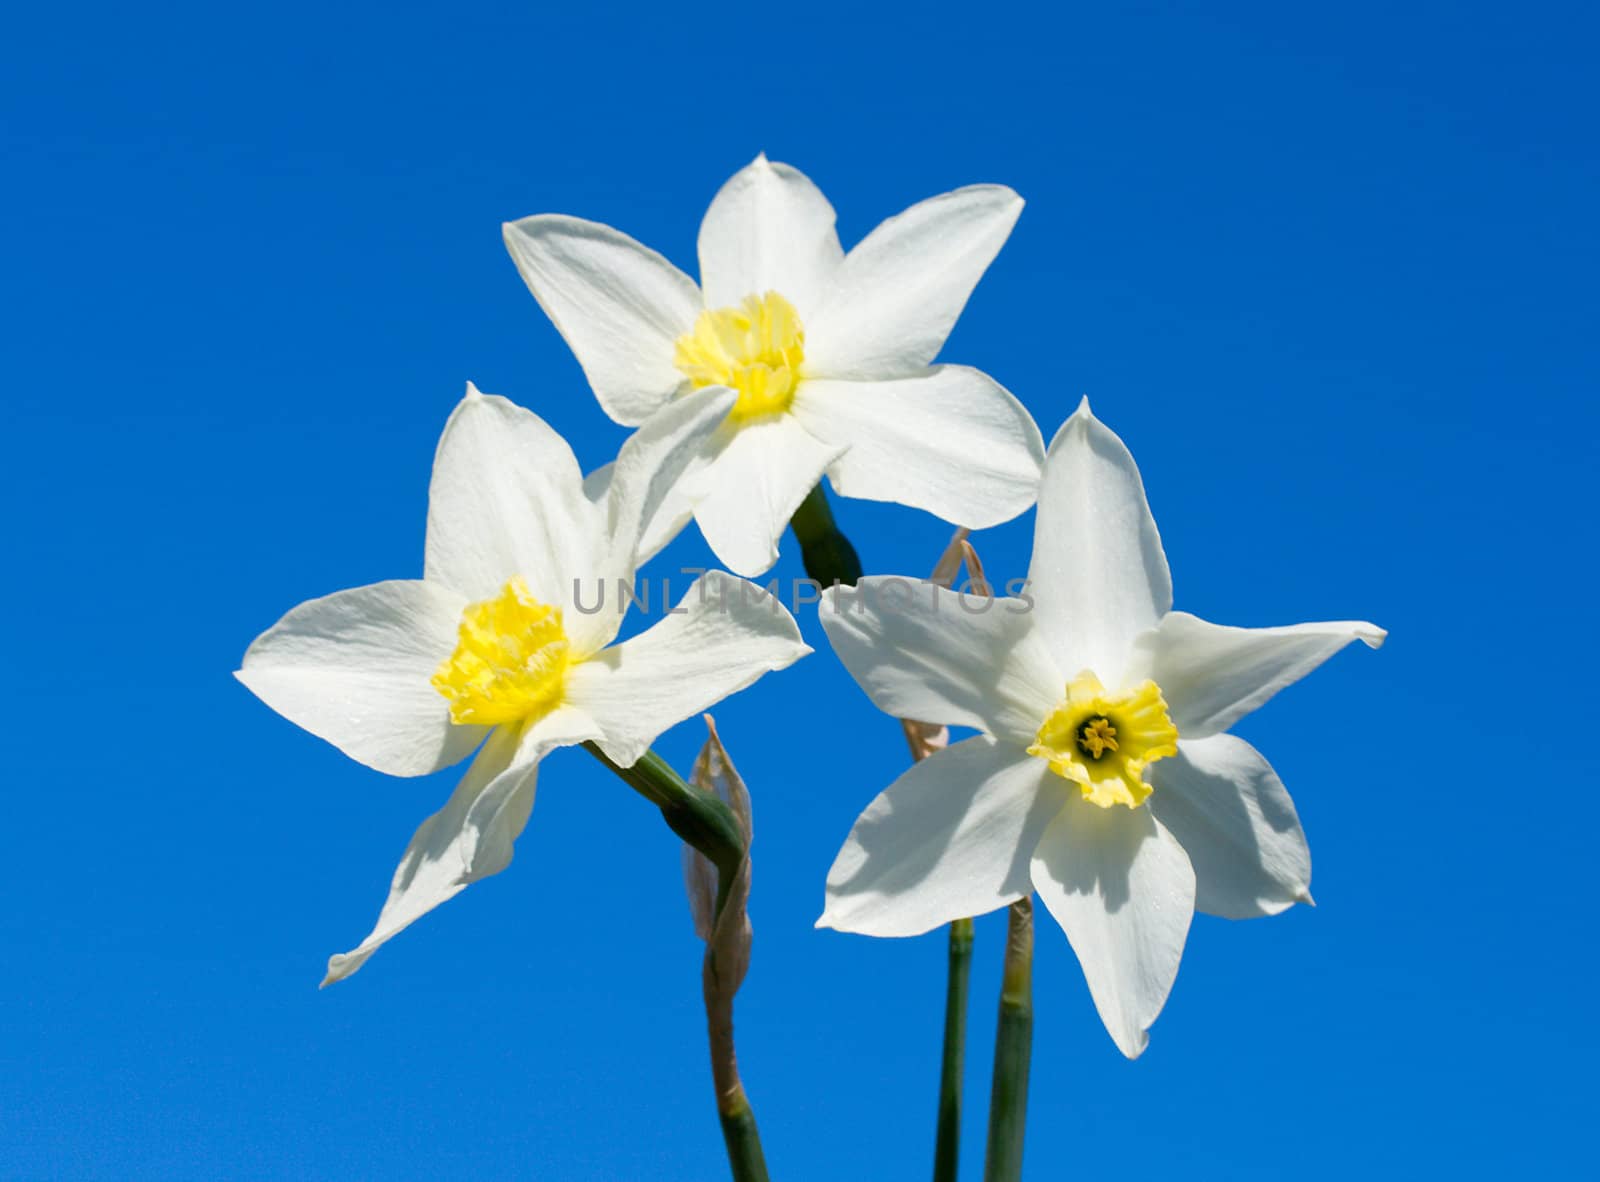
<point x="1013" y="198"/>
<point x="1083" y="411"/>
<point x="831" y="920"/>
<point x="624" y="755"/>
<point x="1373" y="636"/>
<point x="473" y="391"/>
<point x="1131" y="1044"/>
<point x="872" y="928"/>
<point x="748" y="570"/>
<point x="526" y="225"/>
<point x="741" y="563"/>
<point x="344" y="964"/>
<point x="1304" y="896"/>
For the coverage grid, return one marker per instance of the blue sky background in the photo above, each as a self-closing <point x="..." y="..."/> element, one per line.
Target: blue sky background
<point x="1331" y="274"/>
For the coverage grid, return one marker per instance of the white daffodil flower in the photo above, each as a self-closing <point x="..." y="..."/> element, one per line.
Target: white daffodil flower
<point x="495" y="649"/>
<point x="1103" y="778"/>
<point x="831" y="355"/>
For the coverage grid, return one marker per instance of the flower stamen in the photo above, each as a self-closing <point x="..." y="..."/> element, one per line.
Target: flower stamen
<point x="755" y="347"/>
<point x="1097" y="736"/>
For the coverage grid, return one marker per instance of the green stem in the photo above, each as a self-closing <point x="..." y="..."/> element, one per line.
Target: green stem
<point x="947" y="1142"/>
<point x="707" y="824"/>
<point x="700" y="818"/>
<point x="743" y="1141"/>
<point x="1013" y="1048"/>
<point x="828" y="555"/>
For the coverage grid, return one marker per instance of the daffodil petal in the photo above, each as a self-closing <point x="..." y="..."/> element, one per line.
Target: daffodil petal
<point x="507" y="499"/>
<point x="1213" y="675"/>
<point x="1098" y="575"/>
<point x="660" y="462"/>
<point x="928" y="653"/>
<point x="1226" y="806"/>
<point x="472" y="836"/>
<point x="951" y="441"/>
<point x="670" y="519"/>
<point x="722" y="636"/>
<point x="671" y="516"/>
<point x="354" y="667"/>
<point x="768" y="229"/>
<point x="645" y="483"/>
<point x="618" y="304"/>
<point x="751" y="486"/>
<point x="952" y="837"/>
<point x="641" y="497"/>
<point x="1122" y="889"/>
<point x="899" y="292"/>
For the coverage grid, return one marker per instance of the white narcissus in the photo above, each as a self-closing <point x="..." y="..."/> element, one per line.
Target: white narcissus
<point x="831" y="355"/>
<point x="1104" y="779"/>
<point x="495" y="649"/>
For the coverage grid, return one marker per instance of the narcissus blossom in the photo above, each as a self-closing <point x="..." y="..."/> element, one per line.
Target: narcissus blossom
<point x="830" y="354"/>
<point x="1104" y="778"/>
<point x="494" y="649"/>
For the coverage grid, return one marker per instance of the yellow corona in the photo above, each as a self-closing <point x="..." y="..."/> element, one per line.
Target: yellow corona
<point x="1103" y="742"/>
<point x="510" y="663"/>
<point x="755" y="347"/>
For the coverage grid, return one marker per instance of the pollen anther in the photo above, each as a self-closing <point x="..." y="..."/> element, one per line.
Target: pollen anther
<point x="1097" y="736"/>
<point x="1103" y="741"/>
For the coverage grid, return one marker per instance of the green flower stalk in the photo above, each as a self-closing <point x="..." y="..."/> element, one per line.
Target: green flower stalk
<point x="712" y="816"/>
<point x="828" y="555"/>
<point x="947" y="1139"/>
<point x="1013" y="1050"/>
<point x="722" y="920"/>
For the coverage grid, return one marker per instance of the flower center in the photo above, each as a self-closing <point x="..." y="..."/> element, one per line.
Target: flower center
<point x="1097" y="736"/>
<point x="510" y="662"/>
<point x="1103" y="741"/>
<point x="755" y="347"/>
